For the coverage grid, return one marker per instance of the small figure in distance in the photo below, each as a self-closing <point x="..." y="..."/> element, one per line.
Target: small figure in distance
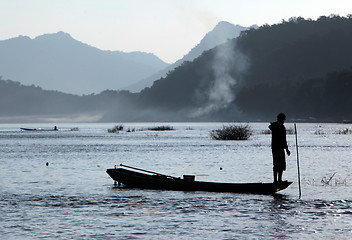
<point x="279" y="146"/>
<point x="55" y="128"/>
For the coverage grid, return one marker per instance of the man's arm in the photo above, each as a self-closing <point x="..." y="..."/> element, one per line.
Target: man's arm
<point x="288" y="151"/>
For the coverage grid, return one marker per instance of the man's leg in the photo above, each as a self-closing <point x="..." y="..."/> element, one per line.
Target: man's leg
<point x="280" y="176"/>
<point x="275" y="176"/>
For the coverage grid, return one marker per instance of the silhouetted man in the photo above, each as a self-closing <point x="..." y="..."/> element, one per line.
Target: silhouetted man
<point x="279" y="146"/>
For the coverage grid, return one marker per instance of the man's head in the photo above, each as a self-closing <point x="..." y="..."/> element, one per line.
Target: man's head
<point x="281" y="117"/>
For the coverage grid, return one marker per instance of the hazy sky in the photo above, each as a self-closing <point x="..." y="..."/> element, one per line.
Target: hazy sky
<point x="167" y="28"/>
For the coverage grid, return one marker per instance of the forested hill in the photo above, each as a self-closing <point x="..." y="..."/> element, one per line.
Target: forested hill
<point x="295" y="67"/>
<point x="20" y="103"/>
<point x="297" y="49"/>
<point x="300" y="66"/>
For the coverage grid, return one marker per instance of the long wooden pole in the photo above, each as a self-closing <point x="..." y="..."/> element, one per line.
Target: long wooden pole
<point x="298" y="171"/>
<point x="143" y="170"/>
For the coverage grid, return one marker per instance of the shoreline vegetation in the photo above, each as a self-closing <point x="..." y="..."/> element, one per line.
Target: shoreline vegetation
<point x="119" y="128"/>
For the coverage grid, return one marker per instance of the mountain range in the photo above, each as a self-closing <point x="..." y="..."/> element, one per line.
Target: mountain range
<point x="59" y="62"/>
<point x="222" y="32"/>
<point x="301" y="67"/>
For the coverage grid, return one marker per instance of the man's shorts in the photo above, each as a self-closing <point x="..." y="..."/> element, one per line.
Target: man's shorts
<point x="279" y="159"/>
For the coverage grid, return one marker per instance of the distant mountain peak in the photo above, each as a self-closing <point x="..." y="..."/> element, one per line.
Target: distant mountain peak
<point x="57" y="61"/>
<point x="20" y="38"/>
<point x="59" y="35"/>
<point x="221" y="33"/>
<point x="23" y="37"/>
<point x="225" y="23"/>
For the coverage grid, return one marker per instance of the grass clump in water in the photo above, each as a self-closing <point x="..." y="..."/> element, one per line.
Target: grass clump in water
<point x="115" y="129"/>
<point x="161" y="128"/>
<point x="319" y="132"/>
<point x="268" y="131"/>
<point x="265" y="132"/>
<point x="232" y="132"/>
<point x="131" y="130"/>
<point x="290" y="131"/>
<point x="344" y="131"/>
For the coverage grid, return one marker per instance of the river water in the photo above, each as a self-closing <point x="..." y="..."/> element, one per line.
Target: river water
<point x="74" y="198"/>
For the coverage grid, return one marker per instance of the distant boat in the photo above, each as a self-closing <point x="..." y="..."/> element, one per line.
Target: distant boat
<point x="38" y="129"/>
<point x="134" y="179"/>
<point x="49" y="129"/>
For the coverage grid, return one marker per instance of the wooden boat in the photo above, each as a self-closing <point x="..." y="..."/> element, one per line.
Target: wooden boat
<point x="50" y="129"/>
<point x="39" y="129"/>
<point x="154" y="180"/>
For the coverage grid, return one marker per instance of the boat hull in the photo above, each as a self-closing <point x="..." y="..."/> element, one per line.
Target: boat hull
<point x="146" y="181"/>
<point x="39" y="129"/>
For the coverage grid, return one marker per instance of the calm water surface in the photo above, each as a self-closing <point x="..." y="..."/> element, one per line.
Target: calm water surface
<point x="74" y="198"/>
